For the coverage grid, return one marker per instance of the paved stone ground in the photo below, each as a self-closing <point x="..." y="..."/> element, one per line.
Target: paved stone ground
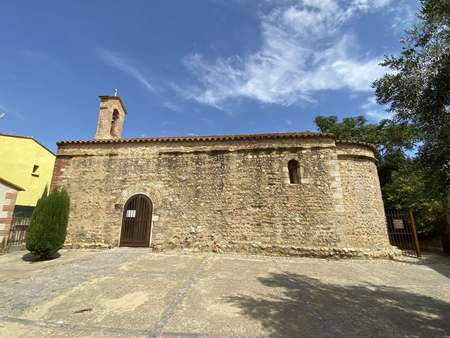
<point x="137" y="293"/>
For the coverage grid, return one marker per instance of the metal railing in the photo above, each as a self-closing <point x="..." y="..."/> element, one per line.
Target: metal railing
<point x="402" y="231"/>
<point x="18" y="231"/>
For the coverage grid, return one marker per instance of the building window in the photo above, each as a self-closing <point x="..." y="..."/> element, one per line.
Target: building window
<point x="114" y="123"/>
<point x="294" y="172"/>
<point x="35" y="171"/>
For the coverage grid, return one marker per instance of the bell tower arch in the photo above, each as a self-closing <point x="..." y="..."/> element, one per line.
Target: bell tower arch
<point x="111" y="117"/>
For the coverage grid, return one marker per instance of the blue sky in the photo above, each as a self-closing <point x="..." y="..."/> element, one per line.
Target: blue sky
<point x="192" y="67"/>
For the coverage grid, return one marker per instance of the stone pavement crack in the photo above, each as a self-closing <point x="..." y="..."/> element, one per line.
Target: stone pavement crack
<point x="180" y="295"/>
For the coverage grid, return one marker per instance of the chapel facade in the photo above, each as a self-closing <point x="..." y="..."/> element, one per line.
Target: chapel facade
<point x="297" y="193"/>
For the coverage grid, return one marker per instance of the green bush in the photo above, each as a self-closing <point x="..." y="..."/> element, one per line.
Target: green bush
<point x="47" y="231"/>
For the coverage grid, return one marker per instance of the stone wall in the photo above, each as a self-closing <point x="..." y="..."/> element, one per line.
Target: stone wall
<point x="8" y="197"/>
<point x="229" y="195"/>
<point x="364" y="209"/>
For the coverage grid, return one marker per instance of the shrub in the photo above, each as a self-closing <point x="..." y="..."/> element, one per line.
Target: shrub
<point x="47" y="231"/>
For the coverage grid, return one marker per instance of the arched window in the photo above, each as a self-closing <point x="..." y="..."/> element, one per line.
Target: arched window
<point x="294" y="172"/>
<point x="114" y="123"/>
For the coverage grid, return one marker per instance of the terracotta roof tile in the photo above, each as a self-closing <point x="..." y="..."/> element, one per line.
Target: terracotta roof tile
<point x="239" y="137"/>
<point x="370" y="145"/>
<point x="213" y="138"/>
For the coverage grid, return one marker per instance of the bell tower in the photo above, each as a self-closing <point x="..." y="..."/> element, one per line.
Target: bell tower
<point x="111" y="117"/>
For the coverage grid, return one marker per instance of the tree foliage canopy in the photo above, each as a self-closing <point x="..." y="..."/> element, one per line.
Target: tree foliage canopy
<point x="417" y="91"/>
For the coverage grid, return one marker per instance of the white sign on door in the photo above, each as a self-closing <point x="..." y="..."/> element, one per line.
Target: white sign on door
<point x="131" y="213"/>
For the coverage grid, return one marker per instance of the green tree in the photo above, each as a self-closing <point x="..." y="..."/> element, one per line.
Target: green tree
<point x="408" y="189"/>
<point x="417" y="91"/>
<point x="47" y="231"/>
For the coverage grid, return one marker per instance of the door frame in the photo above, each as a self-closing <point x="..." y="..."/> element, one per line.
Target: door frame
<point x="149" y="222"/>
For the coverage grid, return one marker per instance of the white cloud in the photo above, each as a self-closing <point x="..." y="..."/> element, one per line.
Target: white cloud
<point x="404" y="15"/>
<point x="375" y="111"/>
<point x="8" y="112"/>
<point x="171" y="106"/>
<point x="369" y="4"/>
<point x="123" y="65"/>
<point x="305" y="49"/>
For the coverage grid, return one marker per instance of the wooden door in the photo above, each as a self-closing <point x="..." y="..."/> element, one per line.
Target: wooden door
<point x="136" y="221"/>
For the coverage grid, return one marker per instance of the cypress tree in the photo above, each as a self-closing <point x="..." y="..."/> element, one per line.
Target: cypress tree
<point x="47" y="231"/>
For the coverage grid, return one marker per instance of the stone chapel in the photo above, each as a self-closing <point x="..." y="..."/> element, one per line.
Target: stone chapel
<point x="296" y="193"/>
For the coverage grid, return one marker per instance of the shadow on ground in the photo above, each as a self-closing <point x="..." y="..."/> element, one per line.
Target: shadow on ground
<point x="305" y="306"/>
<point x="439" y="262"/>
<point x="32" y="258"/>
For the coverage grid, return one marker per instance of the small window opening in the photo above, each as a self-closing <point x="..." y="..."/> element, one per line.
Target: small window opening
<point x="294" y="172"/>
<point x="35" y="171"/>
<point x="114" y="123"/>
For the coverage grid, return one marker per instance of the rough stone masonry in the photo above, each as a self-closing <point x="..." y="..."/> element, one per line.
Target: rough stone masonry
<point x="296" y="193"/>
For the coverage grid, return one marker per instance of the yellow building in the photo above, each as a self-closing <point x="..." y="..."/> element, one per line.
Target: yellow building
<point x="29" y="164"/>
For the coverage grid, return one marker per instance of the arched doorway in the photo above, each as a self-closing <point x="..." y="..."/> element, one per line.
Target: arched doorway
<point x="136" y="221"/>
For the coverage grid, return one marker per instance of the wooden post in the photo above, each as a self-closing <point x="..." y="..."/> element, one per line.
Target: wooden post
<point x="414" y="232"/>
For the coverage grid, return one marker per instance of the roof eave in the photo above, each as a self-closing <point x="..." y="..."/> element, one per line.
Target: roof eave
<point x="206" y="138"/>
<point x="12" y="185"/>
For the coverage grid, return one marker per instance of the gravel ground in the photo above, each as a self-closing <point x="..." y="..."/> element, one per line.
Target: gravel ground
<point x="136" y="293"/>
